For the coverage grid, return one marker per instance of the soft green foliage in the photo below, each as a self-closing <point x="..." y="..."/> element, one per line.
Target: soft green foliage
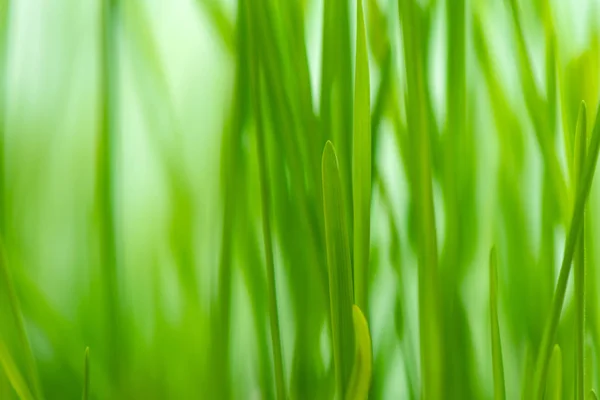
<point x="170" y="195"/>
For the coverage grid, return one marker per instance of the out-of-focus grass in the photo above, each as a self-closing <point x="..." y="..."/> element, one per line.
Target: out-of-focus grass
<point x="170" y="196"/>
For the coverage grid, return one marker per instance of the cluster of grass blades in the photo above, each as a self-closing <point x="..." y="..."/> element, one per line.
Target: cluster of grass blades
<point x="338" y="274"/>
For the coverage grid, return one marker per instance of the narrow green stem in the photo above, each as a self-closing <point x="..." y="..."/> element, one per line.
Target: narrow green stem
<point x="579" y="268"/>
<point x="430" y="320"/>
<point x="105" y="190"/>
<point x="498" y="367"/>
<point x="86" y="375"/>
<point x="256" y="89"/>
<point x="361" y="166"/>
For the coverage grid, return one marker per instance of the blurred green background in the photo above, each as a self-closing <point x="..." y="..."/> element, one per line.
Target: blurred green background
<point x="130" y="212"/>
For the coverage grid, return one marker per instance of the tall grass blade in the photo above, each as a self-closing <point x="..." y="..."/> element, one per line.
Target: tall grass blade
<point x="105" y="177"/>
<point x="498" y="367"/>
<point x="360" y="380"/>
<point x="592" y="395"/>
<point x="420" y="127"/>
<point x="12" y="372"/>
<point x="255" y="83"/>
<point x="579" y="268"/>
<point x="571" y="241"/>
<point x="361" y="165"/>
<point x="554" y="384"/>
<point x="86" y="375"/>
<point x="340" y="275"/>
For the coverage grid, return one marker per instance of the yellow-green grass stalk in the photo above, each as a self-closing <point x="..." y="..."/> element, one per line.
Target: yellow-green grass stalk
<point x="579" y="262"/>
<point x="361" y="165"/>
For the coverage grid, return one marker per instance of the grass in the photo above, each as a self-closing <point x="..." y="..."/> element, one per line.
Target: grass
<point x="298" y="199"/>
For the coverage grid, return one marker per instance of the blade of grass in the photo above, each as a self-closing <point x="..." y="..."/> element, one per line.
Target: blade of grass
<point x="336" y="91"/>
<point x="361" y="165"/>
<point x="430" y="320"/>
<point x="592" y="395"/>
<point x="17" y="315"/>
<point x="571" y="241"/>
<point x="536" y="106"/>
<point x="255" y="83"/>
<point x="554" y="384"/>
<point x="340" y="275"/>
<point x="12" y="372"/>
<point x="498" y="367"/>
<point x="360" y="379"/>
<point x="105" y="178"/>
<point x="221" y="23"/>
<point x="86" y="374"/>
<point x="5" y="18"/>
<point x="579" y="268"/>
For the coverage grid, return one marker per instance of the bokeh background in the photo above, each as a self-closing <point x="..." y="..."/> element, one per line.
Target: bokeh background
<point x="131" y="204"/>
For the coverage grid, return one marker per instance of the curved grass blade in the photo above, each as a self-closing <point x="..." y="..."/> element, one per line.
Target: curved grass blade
<point x="360" y="380"/>
<point x="579" y="268"/>
<point x="12" y="372"/>
<point x="361" y="165"/>
<point x="340" y="278"/>
<point x="554" y="384"/>
<point x="592" y="395"/>
<point x="572" y="236"/>
<point x="498" y="367"/>
<point x="17" y="314"/>
<point x="86" y="375"/>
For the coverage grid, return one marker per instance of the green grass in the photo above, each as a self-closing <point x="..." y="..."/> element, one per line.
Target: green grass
<point x="297" y="200"/>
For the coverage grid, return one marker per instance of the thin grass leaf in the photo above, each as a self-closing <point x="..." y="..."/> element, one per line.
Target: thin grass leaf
<point x="17" y="315"/>
<point x="336" y="91"/>
<point x="498" y="367"/>
<point x="592" y="395"/>
<point x="340" y="275"/>
<point x="360" y="380"/>
<point x="361" y="166"/>
<point x="420" y="127"/>
<point x="579" y="268"/>
<point x="554" y="384"/>
<point x="86" y="374"/>
<point x="255" y="83"/>
<point x="571" y="241"/>
<point x="105" y="188"/>
<point x="12" y="372"/>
